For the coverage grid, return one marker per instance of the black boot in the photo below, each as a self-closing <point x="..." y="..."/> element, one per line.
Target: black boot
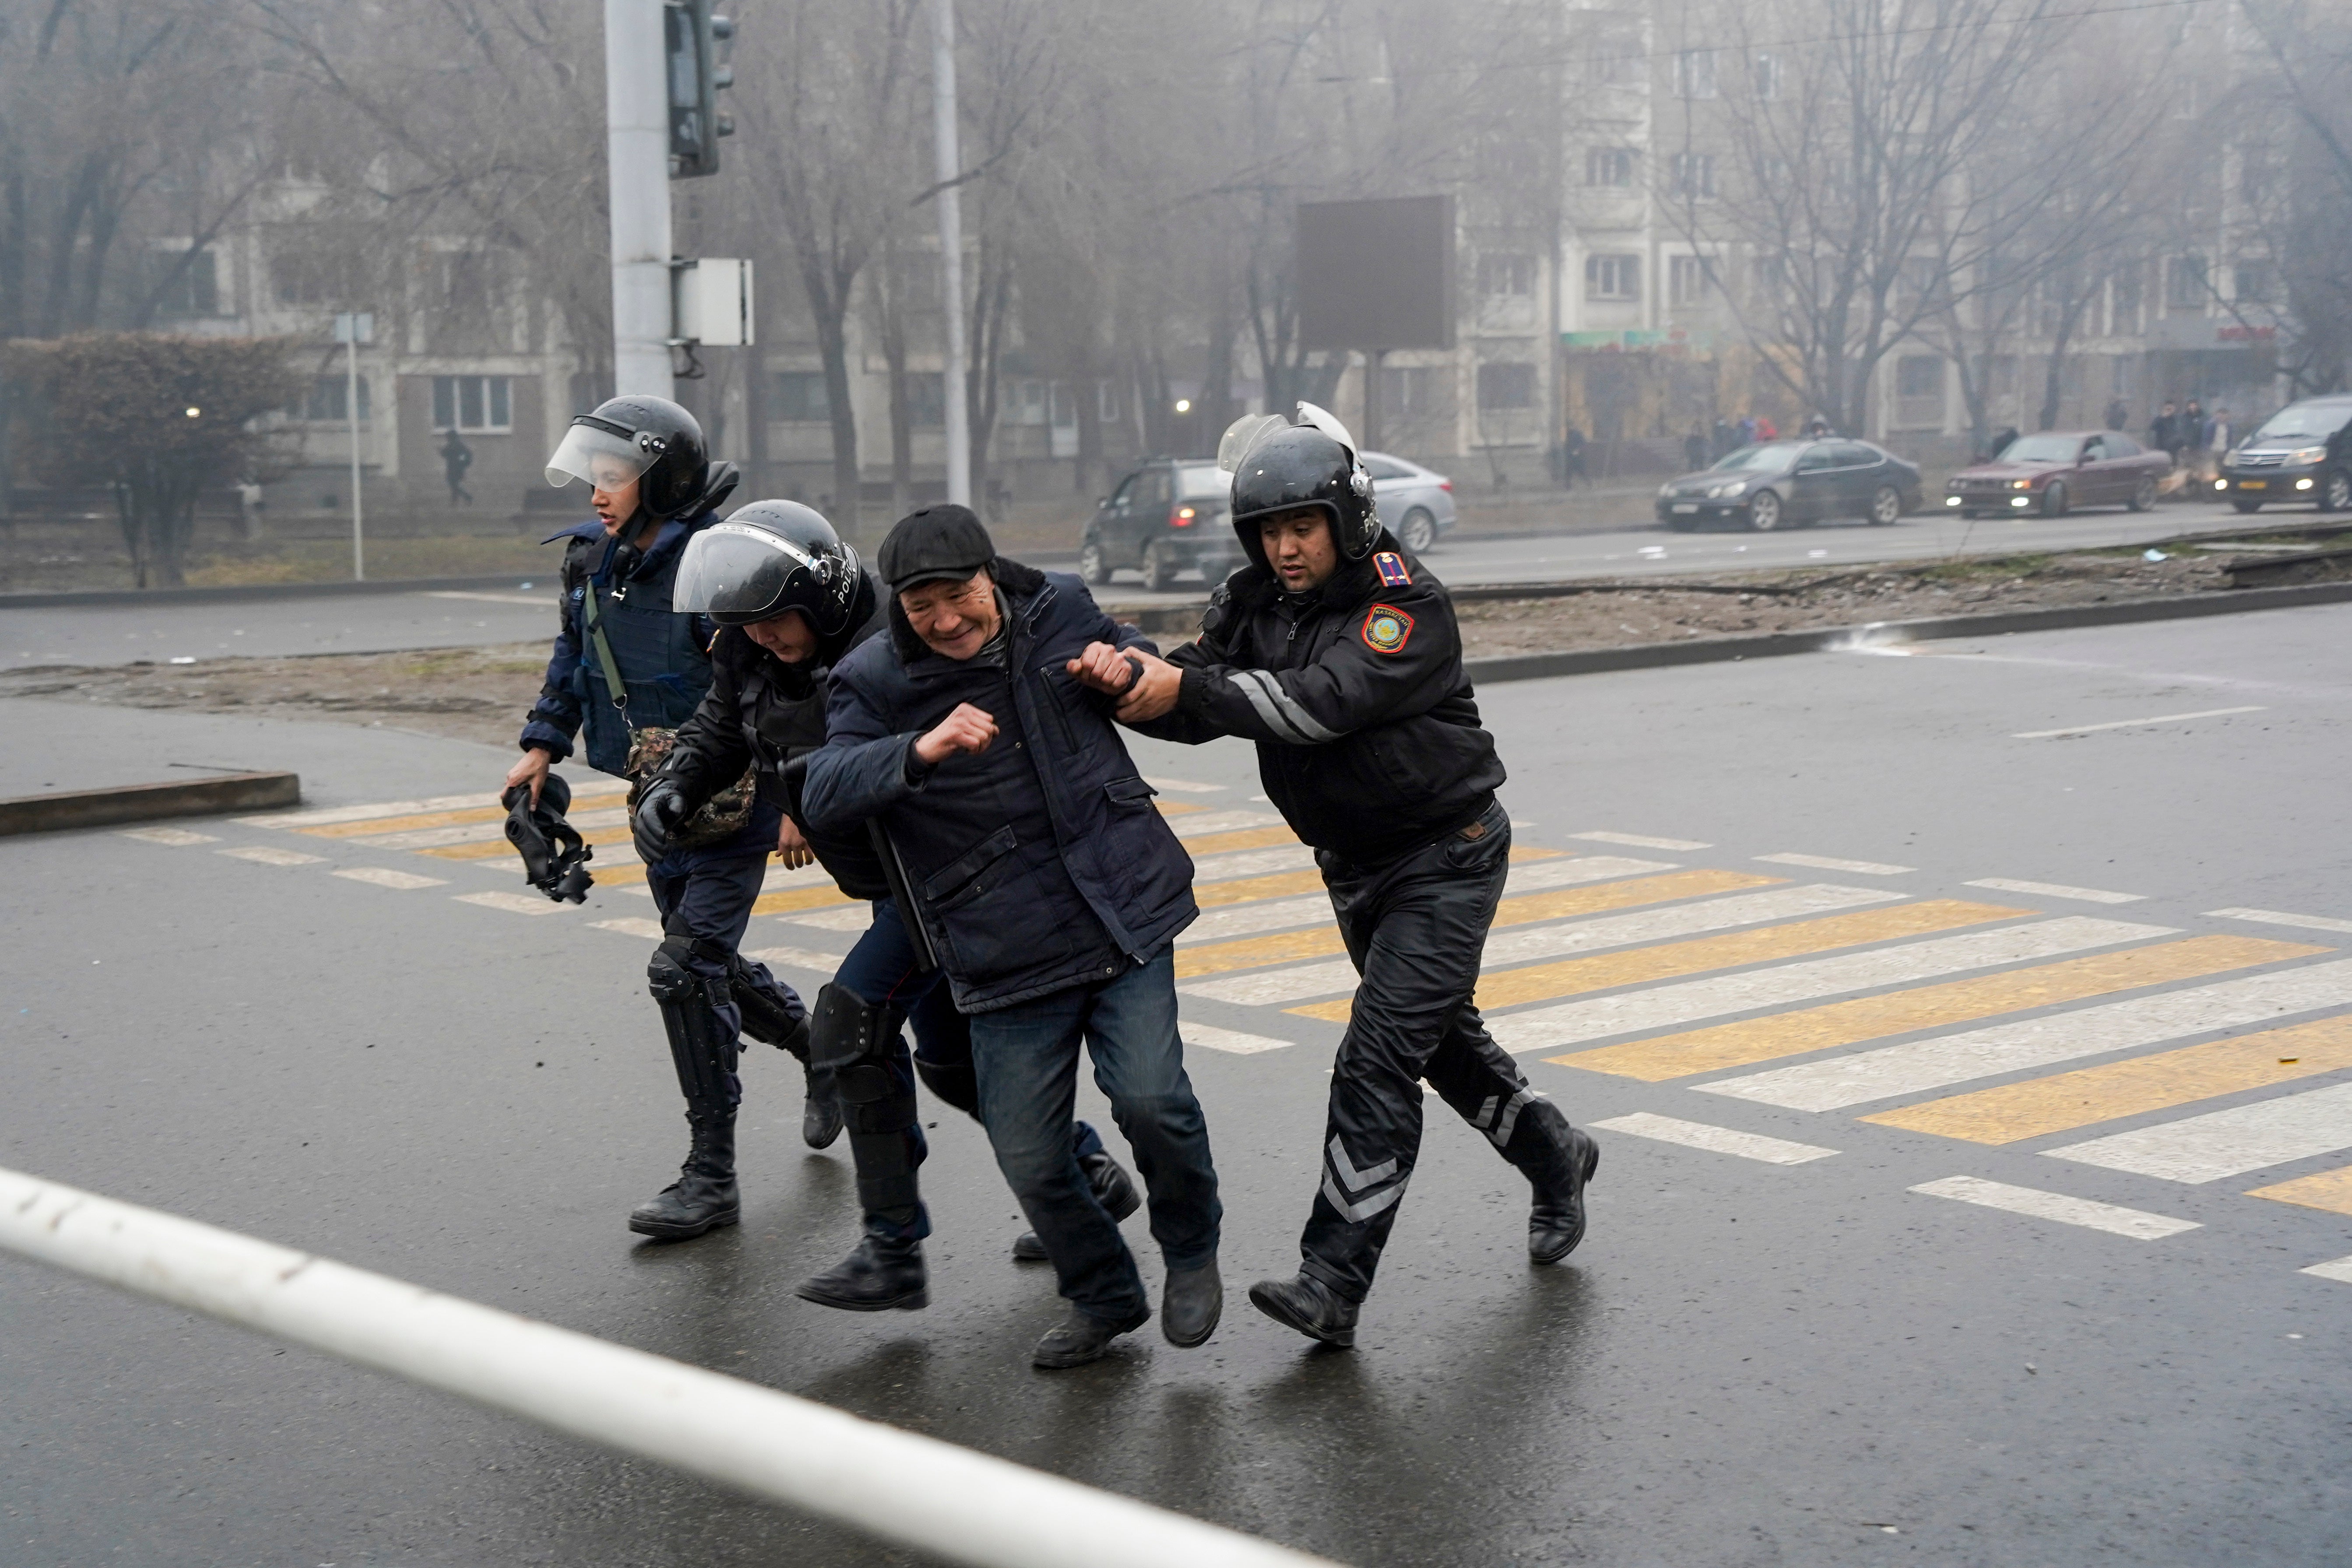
<point x="1556" y="1222"/>
<point x="1308" y="1305"/>
<point x="1113" y="1188"/>
<point x="704" y="1196"/>
<point x="1190" y="1303"/>
<point x="883" y="1273"/>
<point x="1080" y="1338"/>
<point x="821" y="1113"/>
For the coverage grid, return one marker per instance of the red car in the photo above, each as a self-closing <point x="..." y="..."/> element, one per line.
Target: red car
<point x="2057" y="470"/>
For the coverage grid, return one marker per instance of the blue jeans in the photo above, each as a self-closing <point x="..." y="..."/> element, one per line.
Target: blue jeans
<point x="881" y="971"/>
<point x="1026" y="1057"/>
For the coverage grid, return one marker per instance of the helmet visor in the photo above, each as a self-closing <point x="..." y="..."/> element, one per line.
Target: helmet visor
<point x="599" y="455"/>
<point x="737" y="574"/>
<point x="1241" y="435"/>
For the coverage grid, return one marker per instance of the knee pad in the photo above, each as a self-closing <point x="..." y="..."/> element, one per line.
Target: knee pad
<point x="700" y="1047"/>
<point x="765" y="1018"/>
<point x="668" y="978"/>
<point x="850" y="1034"/>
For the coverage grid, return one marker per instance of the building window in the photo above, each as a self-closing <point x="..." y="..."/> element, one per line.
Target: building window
<point x="326" y="400"/>
<point x="1766" y="72"/>
<point x="1695" y="73"/>
<point x="1613" y="62"/>
<point x="2122" y="314"/>
<point x="298" y="278"/>
<point x="2257" y="283"/>
<point x="927" y="399"/>
<point x="1694" y="176"/>
<point x="1610" y="167"/>
<point x="1613" y="276"/>
<point x="1513" y="275"/>
<point x="1507" y="386"/>
<point x="473" y="403"/>
<point x="802" y="398"/>
<point x="193" y="289"/>
<point x="1688" y="279"/>
<point x="2185" y="287"/>
<point x="1919" y="375"/>
<point x="1407" y="390"/>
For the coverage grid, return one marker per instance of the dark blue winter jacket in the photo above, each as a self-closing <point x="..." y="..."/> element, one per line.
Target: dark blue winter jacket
<point x="664" y="655"/>
<point x="1040" y="863"/>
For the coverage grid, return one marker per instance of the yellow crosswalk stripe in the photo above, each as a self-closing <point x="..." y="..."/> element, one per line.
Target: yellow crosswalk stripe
<point x="1240" y="839"/>
<point x="1250" y="889"/>
<point x="1214" y="958"/>
<point x="415" y="820"/>
<point x="1640" y="965"/>
<point x="1925" y="1007"/>
<point x="2329" y="1189"/>
<point x="491" y="848"/>
<point x="798" y="899"/>
<point x="2015" y="1110"/>
<point x="1176" y="808"/>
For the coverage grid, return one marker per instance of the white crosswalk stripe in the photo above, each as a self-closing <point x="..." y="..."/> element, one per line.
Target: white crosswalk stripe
<point x="2055" y="891"/>
<point x="330" y="816"/>
<point x="1184" y="786"/>
<point x="384" y="877"/>
<point x="514" y="903"/>
<point x="799" y="958"/>
<point x="2278" y="918"/>
<point x="1233" y="1042"/>
<point x="2334" y="1268"/>
<point x="177" y="838"/>
<point x="1832" y="863"/>
<point x="1895" y="1070"/>
<point x="2112" y="1218"/>
<point x="2226" y="1142"/>
<point x="1315" y="908"/>
<point x="633" y="926"/>
<point x="1664" y="1006"/>
<point x="1195" y="824"/>
<point x="1254" y="862"/>
<point x="479" y="832"/>
<point x="1641" y="841"/>
<point x="1715" y="1139"/>
<point x="270" y="854"/>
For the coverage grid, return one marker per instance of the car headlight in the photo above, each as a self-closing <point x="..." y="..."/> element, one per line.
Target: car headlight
<point x="1666" y="491"/>
<point x="2021" y="484"/>
<point x="1951" y="500"/>
<point x="1733" y="489"/>
<point x="2304" y="456"/>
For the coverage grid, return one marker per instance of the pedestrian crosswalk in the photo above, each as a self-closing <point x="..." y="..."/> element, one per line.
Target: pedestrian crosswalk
<point x="1902" y="1004"/>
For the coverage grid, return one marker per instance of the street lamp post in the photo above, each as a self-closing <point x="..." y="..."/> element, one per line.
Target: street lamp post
<point x="353" y="328"/>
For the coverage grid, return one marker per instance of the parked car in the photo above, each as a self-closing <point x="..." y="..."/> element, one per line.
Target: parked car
<point x="1777" y="483"/>
<point x="2302" y="453"/>
<point x="2054" y="471"/>
<point x="1169" y="515"/>
<point x="1416" y="503"/>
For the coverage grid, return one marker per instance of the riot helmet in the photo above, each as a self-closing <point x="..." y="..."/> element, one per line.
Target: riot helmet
<point x="1278" y="466"/>
<point x="649" y="439"/>
<point x="766" y="557"/>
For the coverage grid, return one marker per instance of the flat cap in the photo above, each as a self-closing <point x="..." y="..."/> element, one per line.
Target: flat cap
<point x="932" y="543"/>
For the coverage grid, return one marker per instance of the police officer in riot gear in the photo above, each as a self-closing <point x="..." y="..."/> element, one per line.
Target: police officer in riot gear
<point x="1338" y="654"/>
<point x="792" y="599"/>
<point x="629" y="658"/>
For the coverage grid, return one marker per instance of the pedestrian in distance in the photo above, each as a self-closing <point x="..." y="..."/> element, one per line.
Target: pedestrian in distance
<point x="1571" y="460"/>
<point x="2189" y="435"/>
<point x="1765" y="430"/>
<point x="456" y="458"/>
<point x="2161" y="430"/>
<point x="1725" y="439"/>
<point x="791" y="600"/>
<point x="1695" y="449"/>
<point x="629" y="665"/>
<point x="1052" y="891"/>
<point x="1339" y="655"/>
<point x="2220" y="435"/>
<point x="2118" y="414"/>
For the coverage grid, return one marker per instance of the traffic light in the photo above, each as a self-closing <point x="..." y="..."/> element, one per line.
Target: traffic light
<point x="697" y="40"/>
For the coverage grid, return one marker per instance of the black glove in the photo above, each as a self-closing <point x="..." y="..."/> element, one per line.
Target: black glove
<point x="662" y="810"/>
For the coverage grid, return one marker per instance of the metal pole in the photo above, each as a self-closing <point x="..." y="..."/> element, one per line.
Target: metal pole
<point x="947" y="163"/>
<point x="932" y="1496"/>
<point x="637" y="120"/>
<point x="352" y="409"/>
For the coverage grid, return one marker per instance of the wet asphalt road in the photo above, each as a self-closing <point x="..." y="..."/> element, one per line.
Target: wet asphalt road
<point x="1746" y="1363"/>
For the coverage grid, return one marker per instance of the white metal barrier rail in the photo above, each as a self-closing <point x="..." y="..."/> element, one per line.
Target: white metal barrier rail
<point x="918" y="1491"/>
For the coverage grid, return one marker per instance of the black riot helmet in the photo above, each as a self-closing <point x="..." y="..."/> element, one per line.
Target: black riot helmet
<point x="766" y="557"/>
<point x="649" y="439"/>
<point x="1277" y="466"/>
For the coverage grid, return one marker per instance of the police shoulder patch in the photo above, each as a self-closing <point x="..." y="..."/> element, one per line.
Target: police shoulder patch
<point x="1393" y="571"/>
<point x="1386" y="627"/>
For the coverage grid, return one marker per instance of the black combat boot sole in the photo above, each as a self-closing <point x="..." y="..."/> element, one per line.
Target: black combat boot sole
<point x="914" y="1301"/>
<point x="668" y="1230"/>
<point x="1279" y="1311"/>
<point x="1554" y="1251"/>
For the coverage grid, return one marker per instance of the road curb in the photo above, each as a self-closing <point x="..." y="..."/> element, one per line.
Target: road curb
<point x="508" y="581"/>
<point x="147" y="803"/>
<point x="1717" y="651"/>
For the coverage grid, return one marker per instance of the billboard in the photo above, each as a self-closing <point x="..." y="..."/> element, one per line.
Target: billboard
<point x="1376" y="275"/>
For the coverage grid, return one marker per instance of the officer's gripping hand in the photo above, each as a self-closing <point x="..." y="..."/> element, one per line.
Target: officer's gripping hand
<point x="967" y="729"/>
<point x="531" y="769"/>
<point x="1145" y="684"/>
<point x="661" y="811"/>
<point x="793" y="847"/>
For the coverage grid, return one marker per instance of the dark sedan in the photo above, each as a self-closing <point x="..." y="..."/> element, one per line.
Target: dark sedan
<point x="2302" y="453"/>
<point x="1781" y="483"/>
<point x="2054" y="471"/>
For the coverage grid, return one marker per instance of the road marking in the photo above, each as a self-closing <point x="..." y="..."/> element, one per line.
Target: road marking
<point x="2055" y="891"/>
<point x="2112" y="1218"/>
<point x="513" y="903"/>
<point x="486" y="839"/>
<point x="358" y="812"/>
<point x="1930" y="1007"/>
<point x="536" y="601"/>
<point x="1637" y="841"/>
<point x="2329" y="1189"/>
<point x="851" y="917"/>
<point x="1690" y="1002"/>
<point x="270" y="854"/>
<point x="1200" y="843"/>
<point x="2339" y="1268"/>
<point x="178" y="837"/>
<point x="1199" y="824"/>
<point x="1176" y="808"/>
<point x="1222" y="923"/>
<point x="1716" y="1139"/>
<point x="1231" y="1041"/>
<point x="808" y="899"/>
<point x="1185" y="787"/>
<point x="2226" y="1142"/>
<point x="651" y="930"/>
<point x="2132" y="1087"/>
<point x="1548" y="941"/>
<point x="2133" y="723"/>
<point x="2277" y="917"/>
<point x="799" y="958"/>
<point x="1212" y="891"/>
<point x="1257" y="951"/>
<point x="1830" y="863"/>
<point x="1290" y="857"/>
<point x="476" y="812"/>
<point x="384" y="877"/>
<point x="1925" y="1065"/>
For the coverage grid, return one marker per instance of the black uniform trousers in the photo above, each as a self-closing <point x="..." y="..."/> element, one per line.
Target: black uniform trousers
<point x="1415" y="928"/>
